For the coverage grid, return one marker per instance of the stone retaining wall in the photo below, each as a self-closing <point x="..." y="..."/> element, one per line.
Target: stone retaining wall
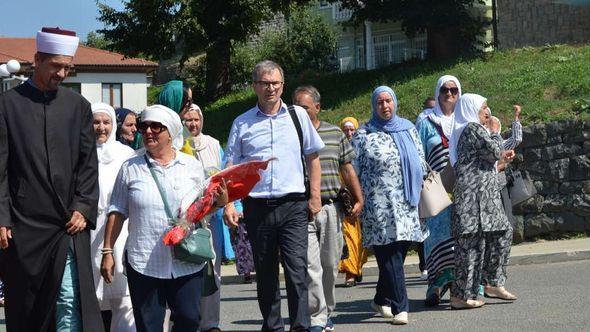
<point x="556" y="156"/>
<point x="539" y="22"/>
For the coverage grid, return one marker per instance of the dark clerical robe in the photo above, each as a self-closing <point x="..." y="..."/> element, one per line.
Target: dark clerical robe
<point x="48" y="169"/>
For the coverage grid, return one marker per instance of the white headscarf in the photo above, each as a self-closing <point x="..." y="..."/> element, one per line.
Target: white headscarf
<point x="111" y="155"/>
<point x="466" y="111"/>
<point x="108" y="150"/>
<point x="167" y="117"/>
<point x="437" y="115"/>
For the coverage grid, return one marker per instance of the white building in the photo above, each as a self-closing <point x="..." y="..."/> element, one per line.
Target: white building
<point x="100" y="76"/>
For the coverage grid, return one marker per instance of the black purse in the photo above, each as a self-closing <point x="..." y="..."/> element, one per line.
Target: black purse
<point x="347" y="202"/>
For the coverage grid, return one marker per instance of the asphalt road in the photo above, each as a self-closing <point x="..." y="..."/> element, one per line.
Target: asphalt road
<point x="552" y="297"/>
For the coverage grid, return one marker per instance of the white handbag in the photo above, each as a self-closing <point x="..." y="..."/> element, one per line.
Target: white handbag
<point x="521" y="189"/>
<point x="433" y="197"/>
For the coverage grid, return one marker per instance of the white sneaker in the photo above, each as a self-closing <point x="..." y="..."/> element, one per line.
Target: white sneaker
<point x="400" y="319"/>
<point x="424" y="275"/>
<point x="384" y="310"/>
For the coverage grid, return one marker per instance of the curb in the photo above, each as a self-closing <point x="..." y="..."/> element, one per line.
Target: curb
<point x="556" y="257"/>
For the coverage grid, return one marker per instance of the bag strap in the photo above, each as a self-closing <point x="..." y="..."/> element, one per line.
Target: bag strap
<point x="443" y="137"/>
<point x="295" y="119"/>
<point x="160" y="189"/>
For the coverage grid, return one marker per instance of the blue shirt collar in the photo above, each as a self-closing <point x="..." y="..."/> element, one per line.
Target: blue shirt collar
<point x="283" y="109"/>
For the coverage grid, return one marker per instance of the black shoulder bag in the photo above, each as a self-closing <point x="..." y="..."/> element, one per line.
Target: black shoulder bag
<point x="295" y="119"/>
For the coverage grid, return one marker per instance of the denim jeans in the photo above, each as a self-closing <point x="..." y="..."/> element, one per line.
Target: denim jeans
<point x="67" y="312"/>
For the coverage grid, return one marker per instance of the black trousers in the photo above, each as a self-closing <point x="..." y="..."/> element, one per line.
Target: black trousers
<point x="273" y="228"/>
<point x="149" y="297"/>
<point x="391" y="286"/>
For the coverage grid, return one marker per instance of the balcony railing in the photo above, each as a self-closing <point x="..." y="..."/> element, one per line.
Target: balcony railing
<point x="340" y="14"/>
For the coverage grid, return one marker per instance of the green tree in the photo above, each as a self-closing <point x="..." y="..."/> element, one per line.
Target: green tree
<point x="450" y="25"/>
<point x="306" y="43"/>
<point x="163" y="28"/>
<point x="96" y="40"/>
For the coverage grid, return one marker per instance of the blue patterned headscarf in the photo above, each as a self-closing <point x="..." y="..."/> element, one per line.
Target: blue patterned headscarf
<point x="399" y="129"/>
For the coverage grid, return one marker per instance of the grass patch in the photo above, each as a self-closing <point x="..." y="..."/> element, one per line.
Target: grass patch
<point x="551" y="83"/>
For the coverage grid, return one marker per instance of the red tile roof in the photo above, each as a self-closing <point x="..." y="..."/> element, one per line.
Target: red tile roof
<point x="23" y="50"/>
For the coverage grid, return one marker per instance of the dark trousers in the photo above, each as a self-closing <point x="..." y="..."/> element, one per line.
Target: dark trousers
<point x="149" y="297"/>
<point x="391" y="286"/>
<point x="422" y="261"/>
<point x="272" y="229"/>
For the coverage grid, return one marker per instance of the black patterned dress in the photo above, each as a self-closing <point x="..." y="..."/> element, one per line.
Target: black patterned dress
<point x="479" y="224"/>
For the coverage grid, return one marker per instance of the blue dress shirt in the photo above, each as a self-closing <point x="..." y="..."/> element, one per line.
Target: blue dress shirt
<point x="255" y="135"/>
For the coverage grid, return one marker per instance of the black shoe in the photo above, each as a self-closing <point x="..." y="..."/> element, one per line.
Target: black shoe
<point x="358" y="278"/>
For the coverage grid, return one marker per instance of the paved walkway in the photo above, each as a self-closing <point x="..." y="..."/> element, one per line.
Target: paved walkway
<point x="539" y="252"/>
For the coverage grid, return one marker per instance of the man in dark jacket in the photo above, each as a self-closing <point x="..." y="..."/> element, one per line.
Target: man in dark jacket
<point x="48" y="196"/>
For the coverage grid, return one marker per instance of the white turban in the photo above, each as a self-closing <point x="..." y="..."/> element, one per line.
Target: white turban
<point x="57" y="41"/>
<point x="167" y="117"/>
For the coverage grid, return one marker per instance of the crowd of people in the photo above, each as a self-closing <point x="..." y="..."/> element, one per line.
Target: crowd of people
<point x="92" y="203"/>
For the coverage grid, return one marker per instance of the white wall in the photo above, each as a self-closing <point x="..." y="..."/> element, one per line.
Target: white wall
<point x="134" y="87"/>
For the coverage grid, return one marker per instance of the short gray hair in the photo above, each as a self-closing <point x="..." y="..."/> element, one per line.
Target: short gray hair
<point x="309" y="90"/>
<point x="266" y="66"/>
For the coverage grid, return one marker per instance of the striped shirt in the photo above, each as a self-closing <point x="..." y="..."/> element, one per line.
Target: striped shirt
<point x="337" y="152"/>
<point x="512" y="142"/>
<point x="136" y="196"/>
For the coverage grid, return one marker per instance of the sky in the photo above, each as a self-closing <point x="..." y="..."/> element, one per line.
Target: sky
<point x="23" y="18"/>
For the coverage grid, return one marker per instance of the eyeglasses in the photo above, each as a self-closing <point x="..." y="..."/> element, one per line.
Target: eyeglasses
<point x="156" y="127"/>
<point x="444" y="90"/>
<point x="188" y="102"/>
<point x="267" y="84"/>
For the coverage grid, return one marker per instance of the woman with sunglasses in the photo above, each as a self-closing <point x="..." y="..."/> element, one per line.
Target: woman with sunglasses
<point x="208" y="152"/>
<point x="435" y="127"/>
<point x="479" y="224"/>
<point x="156" y="279"/>
<point x="176" y="95"/>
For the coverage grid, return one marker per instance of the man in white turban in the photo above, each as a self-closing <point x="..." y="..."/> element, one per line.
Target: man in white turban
<point x="48" y="196"/>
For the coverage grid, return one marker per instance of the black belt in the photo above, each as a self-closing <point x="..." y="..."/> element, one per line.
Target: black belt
<point x="270" y="202"/>
<point x="329" y="200"/>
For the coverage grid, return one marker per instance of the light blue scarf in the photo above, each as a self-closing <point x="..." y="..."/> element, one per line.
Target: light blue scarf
<point x="399" y="129"/>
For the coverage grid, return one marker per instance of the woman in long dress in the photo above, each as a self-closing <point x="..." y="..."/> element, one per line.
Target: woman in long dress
<point x="435" y="128"/>
<point x="112" y="297"/>
<point x="352" y="265"/>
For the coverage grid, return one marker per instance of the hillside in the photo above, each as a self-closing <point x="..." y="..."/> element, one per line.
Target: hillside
<point x="551" y="82"/>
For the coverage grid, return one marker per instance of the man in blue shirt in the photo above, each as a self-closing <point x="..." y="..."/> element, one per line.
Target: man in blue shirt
<point x="278" y="208"/>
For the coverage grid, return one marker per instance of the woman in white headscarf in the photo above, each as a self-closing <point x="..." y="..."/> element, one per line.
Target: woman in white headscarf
<point x="156" y="278"/>
<point x="111" y="154"/>
<point x="435" y="128"/>
<point x="479" y="224"/>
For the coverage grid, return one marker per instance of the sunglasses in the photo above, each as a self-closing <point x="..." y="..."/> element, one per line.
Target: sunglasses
<point x="156" y="127"/>
<point x="444" y="90"/>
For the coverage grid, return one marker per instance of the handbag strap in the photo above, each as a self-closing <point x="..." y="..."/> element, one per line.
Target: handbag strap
<point x="160" y="189"/>
<point x="297" y="124"/>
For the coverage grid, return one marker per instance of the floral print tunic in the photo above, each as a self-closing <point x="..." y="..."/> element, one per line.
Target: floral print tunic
<point x="387" y="216"/>
<point x="477" y="194"/>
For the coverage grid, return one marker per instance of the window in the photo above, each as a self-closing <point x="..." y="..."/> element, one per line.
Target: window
<point x="74" y="86"/>
<point x="112" y="94"/>
<point x="324" y="4"/>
